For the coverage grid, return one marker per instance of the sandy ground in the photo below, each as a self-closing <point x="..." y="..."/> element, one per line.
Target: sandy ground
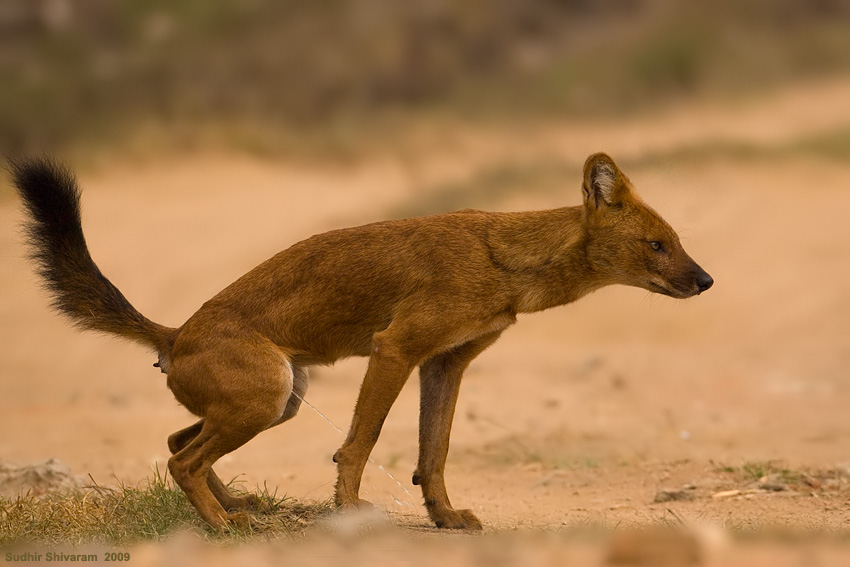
<point x="578" y="416"/>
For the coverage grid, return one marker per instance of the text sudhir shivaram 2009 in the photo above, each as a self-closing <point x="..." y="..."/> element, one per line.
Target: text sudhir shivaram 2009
<point x="66" y="557"/>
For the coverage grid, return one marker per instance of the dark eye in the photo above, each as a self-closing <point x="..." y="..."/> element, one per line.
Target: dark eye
<point x="655" y="245"/>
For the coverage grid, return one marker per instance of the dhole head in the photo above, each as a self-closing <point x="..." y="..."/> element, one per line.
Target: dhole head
<point x="628" y="242"/>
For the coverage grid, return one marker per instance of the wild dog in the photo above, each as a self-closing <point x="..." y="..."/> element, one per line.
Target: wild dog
<point x="432" y="292"/>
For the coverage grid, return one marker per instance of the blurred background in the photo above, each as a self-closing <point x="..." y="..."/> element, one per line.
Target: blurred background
<point x="209" y="135"/>
<point x="262" y="75"/>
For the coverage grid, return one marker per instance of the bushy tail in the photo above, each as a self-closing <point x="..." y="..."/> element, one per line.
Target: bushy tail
<point x="56" y="240"/>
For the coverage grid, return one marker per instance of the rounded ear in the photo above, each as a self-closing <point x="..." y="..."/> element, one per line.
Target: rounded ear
<point x="603" y="181"/>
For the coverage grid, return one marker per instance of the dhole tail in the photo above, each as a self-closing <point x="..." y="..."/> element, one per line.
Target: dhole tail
<point x="78" y="288"/>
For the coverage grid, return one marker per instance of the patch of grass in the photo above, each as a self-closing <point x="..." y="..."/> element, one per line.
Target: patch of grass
<point x="125" y="515"/>
<point x="835" y="145"/>
<point x="757" y="470"/>
<point x="751" y="471"/>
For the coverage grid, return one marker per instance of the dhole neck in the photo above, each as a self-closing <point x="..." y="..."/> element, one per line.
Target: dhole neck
<point x="542" y="254"/>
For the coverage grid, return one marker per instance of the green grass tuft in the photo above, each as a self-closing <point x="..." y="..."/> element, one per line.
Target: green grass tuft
<point x="124" y="515"/>
<point x="753" y="471"/>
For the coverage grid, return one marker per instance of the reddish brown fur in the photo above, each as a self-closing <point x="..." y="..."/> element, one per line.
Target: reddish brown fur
<point x="432" y="292"/>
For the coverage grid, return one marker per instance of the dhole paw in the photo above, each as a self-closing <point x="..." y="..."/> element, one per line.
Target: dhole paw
<point x="358" y="504"/>
<point x="255" y="503"/>
<point x="249" y="502"/>
<point x="456" y="520"/>
<point x="240" y="520"/>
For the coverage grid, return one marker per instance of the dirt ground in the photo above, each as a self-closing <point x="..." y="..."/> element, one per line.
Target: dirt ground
<point x="578" y="416"/>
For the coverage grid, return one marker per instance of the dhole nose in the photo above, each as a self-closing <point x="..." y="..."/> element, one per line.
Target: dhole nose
<point x="704" y="281"/>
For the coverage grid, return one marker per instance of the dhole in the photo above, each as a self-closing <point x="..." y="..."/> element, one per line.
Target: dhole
<point x="432" y="292"/>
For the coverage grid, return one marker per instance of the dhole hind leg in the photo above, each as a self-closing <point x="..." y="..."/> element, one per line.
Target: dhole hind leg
<point x="190" y="468"/>
<point x="251" y="502"/>
<point x="439" y="379"/>
<point x="237" y="400"/>
<point x="300" y="381"/>
<point x="177" y="441"/>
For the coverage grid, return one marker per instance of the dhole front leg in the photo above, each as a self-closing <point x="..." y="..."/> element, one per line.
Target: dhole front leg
<point x="439" y="379"/>
<point x="387" y="372"/>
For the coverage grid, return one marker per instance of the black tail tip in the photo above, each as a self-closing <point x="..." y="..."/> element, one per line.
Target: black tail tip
<point x="47" y="187"/>
<point x="21" y="166"/>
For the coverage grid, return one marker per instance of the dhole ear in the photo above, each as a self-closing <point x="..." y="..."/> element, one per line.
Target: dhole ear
<point x="603" y="181"/>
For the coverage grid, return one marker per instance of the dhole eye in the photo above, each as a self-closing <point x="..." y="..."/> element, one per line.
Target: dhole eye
<point x="655" y="245"/>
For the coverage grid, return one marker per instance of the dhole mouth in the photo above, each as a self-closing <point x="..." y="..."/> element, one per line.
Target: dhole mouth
<point x="675" y="293"/>
<point x="656" y="288"/>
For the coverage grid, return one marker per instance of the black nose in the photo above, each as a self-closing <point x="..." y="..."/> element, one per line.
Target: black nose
<point x="704" y="281"/>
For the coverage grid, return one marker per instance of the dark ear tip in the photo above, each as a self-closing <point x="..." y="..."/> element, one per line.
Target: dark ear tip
<point x="596" y="159"/>
<point x="603" y="180"/>
<point x="599" y="163"/>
